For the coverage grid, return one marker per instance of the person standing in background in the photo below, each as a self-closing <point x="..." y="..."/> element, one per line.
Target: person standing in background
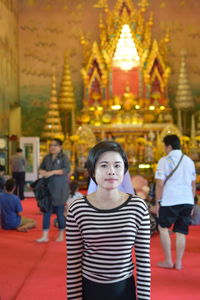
<point x="55" y="167"/>
<point x="175" y="190"/>
<point x="18" y="164"/>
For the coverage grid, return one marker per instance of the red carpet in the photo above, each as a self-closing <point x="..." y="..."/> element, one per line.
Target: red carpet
<point x="31" y="271"/>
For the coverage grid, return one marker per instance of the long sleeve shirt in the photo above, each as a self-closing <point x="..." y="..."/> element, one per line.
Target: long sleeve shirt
<point x="100" y="243"/>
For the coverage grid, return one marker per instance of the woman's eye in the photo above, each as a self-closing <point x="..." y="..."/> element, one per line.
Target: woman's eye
<point x="104" y="166"/>
<point x="117" y="166"/>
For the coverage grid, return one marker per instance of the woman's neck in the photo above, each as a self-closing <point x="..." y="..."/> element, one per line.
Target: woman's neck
<point x="107" y="195"/>
<point x="107" y="199"/>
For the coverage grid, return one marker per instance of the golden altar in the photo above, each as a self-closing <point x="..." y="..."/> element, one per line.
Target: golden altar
<point x="125" y="78"/>
<point x="125" y="91"/>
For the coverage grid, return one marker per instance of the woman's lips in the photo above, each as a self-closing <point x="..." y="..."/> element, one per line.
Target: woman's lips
<point x="111" y="179"/>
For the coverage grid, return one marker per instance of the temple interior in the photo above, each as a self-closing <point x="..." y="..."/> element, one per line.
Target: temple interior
<point x="84" y="71"/>
<point x="132" y="77"/>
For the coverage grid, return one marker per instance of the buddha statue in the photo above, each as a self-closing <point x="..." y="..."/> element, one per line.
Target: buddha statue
<point x="128" y="98"/>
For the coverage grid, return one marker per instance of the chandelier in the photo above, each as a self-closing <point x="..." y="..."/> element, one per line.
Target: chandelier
<point x="126" y="56"/>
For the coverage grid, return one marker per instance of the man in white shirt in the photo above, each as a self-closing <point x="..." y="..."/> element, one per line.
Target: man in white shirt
<point x="175" y="198"/>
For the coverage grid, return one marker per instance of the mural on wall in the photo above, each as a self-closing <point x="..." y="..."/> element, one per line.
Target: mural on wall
<point x="47" y="29"/>
<point x="9" y="95"/>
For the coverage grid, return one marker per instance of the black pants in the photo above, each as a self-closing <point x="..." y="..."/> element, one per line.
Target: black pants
<point x="121" y="290"/>
<point x="20" y="182"/>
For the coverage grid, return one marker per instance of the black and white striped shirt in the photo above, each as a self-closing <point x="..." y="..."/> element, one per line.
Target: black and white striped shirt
<point x="100" y="242"/>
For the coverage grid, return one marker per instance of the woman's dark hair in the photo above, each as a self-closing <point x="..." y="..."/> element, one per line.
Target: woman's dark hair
<point x="100" y="148"/>
<point x="173" y="141"/>
<point x="10" y="184"/>
<point x="73" y="187"/>
<point x="58" y="141"/>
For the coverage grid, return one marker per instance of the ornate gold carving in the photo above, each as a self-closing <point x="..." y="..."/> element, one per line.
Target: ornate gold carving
<point x="150" y="104"/>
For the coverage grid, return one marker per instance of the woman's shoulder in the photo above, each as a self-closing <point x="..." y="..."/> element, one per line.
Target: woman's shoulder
<point x="137" y="201"/>
<point x="77" y="203"/>
<point x="77" y="195"/>
<point x="46" y="156"/>
<point x="62" y="155"/>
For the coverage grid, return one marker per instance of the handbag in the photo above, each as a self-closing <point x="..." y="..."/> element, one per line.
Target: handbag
<point x="42" y="194"/>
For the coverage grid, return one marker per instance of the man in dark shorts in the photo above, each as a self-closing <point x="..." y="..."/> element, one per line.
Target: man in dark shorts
<point x="175" y="198"/>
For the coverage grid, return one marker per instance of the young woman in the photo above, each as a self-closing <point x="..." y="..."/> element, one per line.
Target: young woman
<point x="102" y="229"/>
<point x="55" y="166"/>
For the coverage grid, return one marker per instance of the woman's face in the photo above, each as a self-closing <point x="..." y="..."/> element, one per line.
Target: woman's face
<point x="109" y="170"/>
<point x="54" y="147"/>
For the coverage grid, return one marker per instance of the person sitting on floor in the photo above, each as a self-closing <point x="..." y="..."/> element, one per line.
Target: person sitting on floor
<point x="11" y="210"/>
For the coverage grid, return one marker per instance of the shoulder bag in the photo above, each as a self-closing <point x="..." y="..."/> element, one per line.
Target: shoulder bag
<point x="172" y="172"/>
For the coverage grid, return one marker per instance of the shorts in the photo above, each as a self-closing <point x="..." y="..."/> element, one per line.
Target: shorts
<point x="179" y="215"/>
<point x="25" y="221"/>
<point x="124" y="289"/>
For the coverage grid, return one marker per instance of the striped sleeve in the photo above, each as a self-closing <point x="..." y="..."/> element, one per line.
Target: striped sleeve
<point x="142" y="253"/>
<point x="74" y="258"/>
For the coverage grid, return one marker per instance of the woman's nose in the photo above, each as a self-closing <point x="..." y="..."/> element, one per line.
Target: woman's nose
<point x="111" y="170"/>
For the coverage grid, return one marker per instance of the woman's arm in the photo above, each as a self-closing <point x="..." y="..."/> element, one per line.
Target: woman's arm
<point x="194" y="188"/>
<point x="142" y="253"/>
<point x="53" y="172"/>
<point x="64" y="168"/>
<point x="42" y="172"/>
<point x="42" y="168"/>
<point x="74" y="258"/>
<point x="159" y="193"/>
<point x="65" y="165"/>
